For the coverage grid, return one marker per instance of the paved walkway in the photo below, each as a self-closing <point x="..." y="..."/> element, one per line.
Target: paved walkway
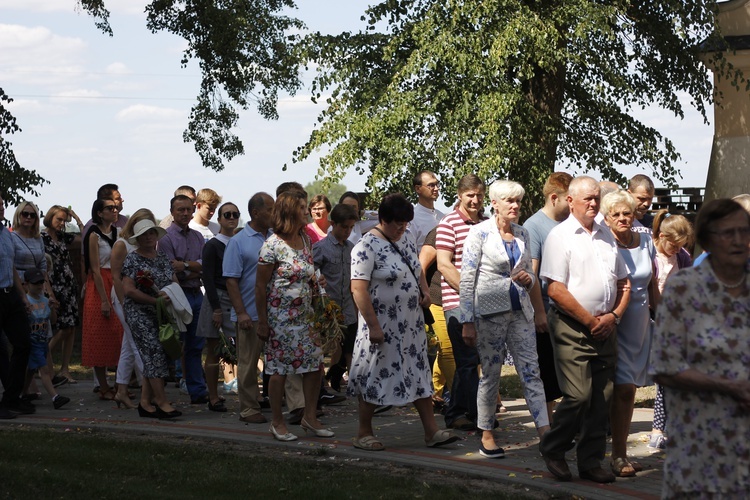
<point x="399" y="430"/>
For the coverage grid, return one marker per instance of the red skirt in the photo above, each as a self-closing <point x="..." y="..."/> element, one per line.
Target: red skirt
<point x="102" y="336"/>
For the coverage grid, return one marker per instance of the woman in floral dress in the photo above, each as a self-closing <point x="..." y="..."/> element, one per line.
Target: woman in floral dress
<point x="389" y="363"/>
<point x="700" y="356"/>
<point x="63" y="281"/>
<point x="283" y="295"/>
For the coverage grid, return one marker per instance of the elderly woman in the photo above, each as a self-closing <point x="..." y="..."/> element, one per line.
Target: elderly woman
<point x="130" y="359"/>
<point x="283" y="295"/>
<point x="63" y="281"/>
<point x="320" y="208"/>
<point x="634" y="328"/>
<point x="144" y="272"/>
<point x="700" y="356"/>
<point x="496" y="276"/>
<point x="102" y="331"/>
<point x="390" y="365"/>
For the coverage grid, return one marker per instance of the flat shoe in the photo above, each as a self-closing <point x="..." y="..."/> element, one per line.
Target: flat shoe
<point x="440" y="438"/>
<point x="369" y="443"/>
<point x="496" y="453"/>
<point x="558" y="468"/>
<point x="622" y="468"/>
<point x="218" y="407"/>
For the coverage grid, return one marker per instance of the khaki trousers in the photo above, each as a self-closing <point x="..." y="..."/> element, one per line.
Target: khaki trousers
<point x="249" y="348"/>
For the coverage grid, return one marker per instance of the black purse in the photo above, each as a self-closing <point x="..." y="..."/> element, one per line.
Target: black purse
<point x="429" y="319"/>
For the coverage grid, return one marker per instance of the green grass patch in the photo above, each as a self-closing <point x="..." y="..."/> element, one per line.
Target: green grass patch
<point x="88" y="464"/>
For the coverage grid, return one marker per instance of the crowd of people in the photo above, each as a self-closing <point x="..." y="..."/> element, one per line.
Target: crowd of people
<point x="590" y="299"/>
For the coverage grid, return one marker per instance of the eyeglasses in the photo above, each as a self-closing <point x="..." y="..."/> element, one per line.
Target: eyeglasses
<point x="728" y="234"/>
<point x="111" y="208"/>
<point x="231" y="215"/>
<point x="29" y="215"/>
<point x="431" y="185"/>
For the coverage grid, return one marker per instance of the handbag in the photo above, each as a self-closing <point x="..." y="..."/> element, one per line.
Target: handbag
<point x="169" y="337"/>
<point x="494" y="301"/>
<point x="429" y="319"/>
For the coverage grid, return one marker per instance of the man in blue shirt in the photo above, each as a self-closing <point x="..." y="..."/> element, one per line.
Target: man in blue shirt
<point x="239" y="268"/>
<point x="14" y="323"/>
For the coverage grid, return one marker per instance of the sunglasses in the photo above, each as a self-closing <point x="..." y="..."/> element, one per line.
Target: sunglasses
<point x="111" y="208"/>
<point x="231" y="215"/>
<point x="29" y="215"/>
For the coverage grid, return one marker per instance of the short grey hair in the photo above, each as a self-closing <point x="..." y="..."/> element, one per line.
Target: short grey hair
<point x="615" y="198"/>
<point x="578" y="182"/>
<point x="502" y="189"/>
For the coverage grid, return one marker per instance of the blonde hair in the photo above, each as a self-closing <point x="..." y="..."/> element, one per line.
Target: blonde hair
<point x="621" y="197"/>
<point x="208" y="196"/>
<point x="17" y="218"/>
<point x="674" y="228"/>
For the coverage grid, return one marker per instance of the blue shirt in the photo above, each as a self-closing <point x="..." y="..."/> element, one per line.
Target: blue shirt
<point x="241" y="262"/>
<point x="333" y="259"/>
<point x="7" y="257"/>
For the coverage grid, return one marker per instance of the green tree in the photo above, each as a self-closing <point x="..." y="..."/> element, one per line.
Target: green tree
<point x="506" y="88"/>
<point x="14" y="179"/>
<point x="333" y="190"/>
<point x="245" y="53"/>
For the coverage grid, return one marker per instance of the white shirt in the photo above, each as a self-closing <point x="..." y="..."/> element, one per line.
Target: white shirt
<point x="588" y="264"/>
<point x="425" y="220"/>
<point x="208" y="232"/>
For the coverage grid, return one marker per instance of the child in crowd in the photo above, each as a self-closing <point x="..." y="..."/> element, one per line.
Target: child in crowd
<point x="40" y="318"/>
<point x="671" y="233"/>
<point x="332" y="256"/>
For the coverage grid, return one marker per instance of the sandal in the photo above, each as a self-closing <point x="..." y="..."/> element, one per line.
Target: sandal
<point x="108" y="395"/>
<point x="369" y="443"/>
<point x="622" y="468"/>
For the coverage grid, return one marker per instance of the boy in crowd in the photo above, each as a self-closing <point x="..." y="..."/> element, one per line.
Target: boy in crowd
<point x="40" y="319"/>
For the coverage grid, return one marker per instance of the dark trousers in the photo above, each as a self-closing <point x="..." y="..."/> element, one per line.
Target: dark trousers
<point x="192" y="370"/>
<point x="585" y="372"/>
<point x="463" y="402"/>
<point x="15" y="325"/>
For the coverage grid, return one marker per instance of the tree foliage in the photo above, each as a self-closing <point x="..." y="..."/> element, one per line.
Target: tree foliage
<point x="333" y="190"/>
<point x="245" y="53"/>
<point x="506" y="88"/>
<point x="14" y="179"/>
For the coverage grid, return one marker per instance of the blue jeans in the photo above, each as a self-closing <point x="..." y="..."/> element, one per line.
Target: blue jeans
<point x="463" y="401"/>
<point x="192" y="349"/>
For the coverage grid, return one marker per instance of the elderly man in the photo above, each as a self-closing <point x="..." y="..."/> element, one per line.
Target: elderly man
<point x="426" y="217"/>
<point x="589" y="291"/>
<point x="240" y="265"/>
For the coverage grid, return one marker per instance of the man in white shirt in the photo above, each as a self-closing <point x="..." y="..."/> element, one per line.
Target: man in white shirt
<point x="426" y="217"/>
<point x="587" y="283"/>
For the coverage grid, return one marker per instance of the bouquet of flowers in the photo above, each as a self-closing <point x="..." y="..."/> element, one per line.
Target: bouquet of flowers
<point x="145" y="280"/>
<point x="327" y="319"/>
<point x="226" y="350"/>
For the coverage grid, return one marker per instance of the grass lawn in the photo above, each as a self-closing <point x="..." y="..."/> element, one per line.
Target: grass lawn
<point x="85" y="464"/>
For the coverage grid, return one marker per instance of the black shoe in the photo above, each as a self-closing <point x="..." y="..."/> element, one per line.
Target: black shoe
<point x="165" y="415"/>
<point x="200" y="400"/>
<point x="218" y="407"/>
<point x="330" y="399"/>
<point x="462" y="424"/>
<point x="6" y="414"/>
<point x="264" y="403"/>
<point x="21" y="407"/>
<point x="57" y="381"/>
<point x="334" y="376"/>
<point x="60" y="401"/>
<point x="496" y="453"/>
<point x="142" y="412"/>
<point x="558" y="468"/>
<point x="295" y="416"/>
<point x="598" y="475"/>
<point x="30" y="397"/>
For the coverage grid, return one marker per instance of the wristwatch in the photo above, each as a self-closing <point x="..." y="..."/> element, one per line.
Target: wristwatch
<point x="617" y="318"/>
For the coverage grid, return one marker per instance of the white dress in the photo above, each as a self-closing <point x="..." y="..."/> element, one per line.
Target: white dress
<point x="397" y="371"/>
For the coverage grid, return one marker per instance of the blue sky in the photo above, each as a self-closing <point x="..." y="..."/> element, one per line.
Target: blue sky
<point x="96" y="109"/>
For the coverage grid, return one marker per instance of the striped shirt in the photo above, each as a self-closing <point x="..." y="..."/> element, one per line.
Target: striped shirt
<point x="451" y="233"/>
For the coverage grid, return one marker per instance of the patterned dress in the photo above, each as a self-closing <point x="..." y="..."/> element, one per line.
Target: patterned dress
<point x="397" y="371"/>
<point x="700" y="326"/>
<point x="292" y="347"/>
<point x="141" y="318"/>
<point x="62" y="279"/>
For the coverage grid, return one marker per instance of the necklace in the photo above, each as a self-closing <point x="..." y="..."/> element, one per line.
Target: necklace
<point x="731" y="286"/>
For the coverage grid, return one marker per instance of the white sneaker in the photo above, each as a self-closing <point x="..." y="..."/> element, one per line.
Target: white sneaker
<point x="183" y="387"/>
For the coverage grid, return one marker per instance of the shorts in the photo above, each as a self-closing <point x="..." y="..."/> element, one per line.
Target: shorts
<point x="38" y="355"/>
<point x="206" y="328"/>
